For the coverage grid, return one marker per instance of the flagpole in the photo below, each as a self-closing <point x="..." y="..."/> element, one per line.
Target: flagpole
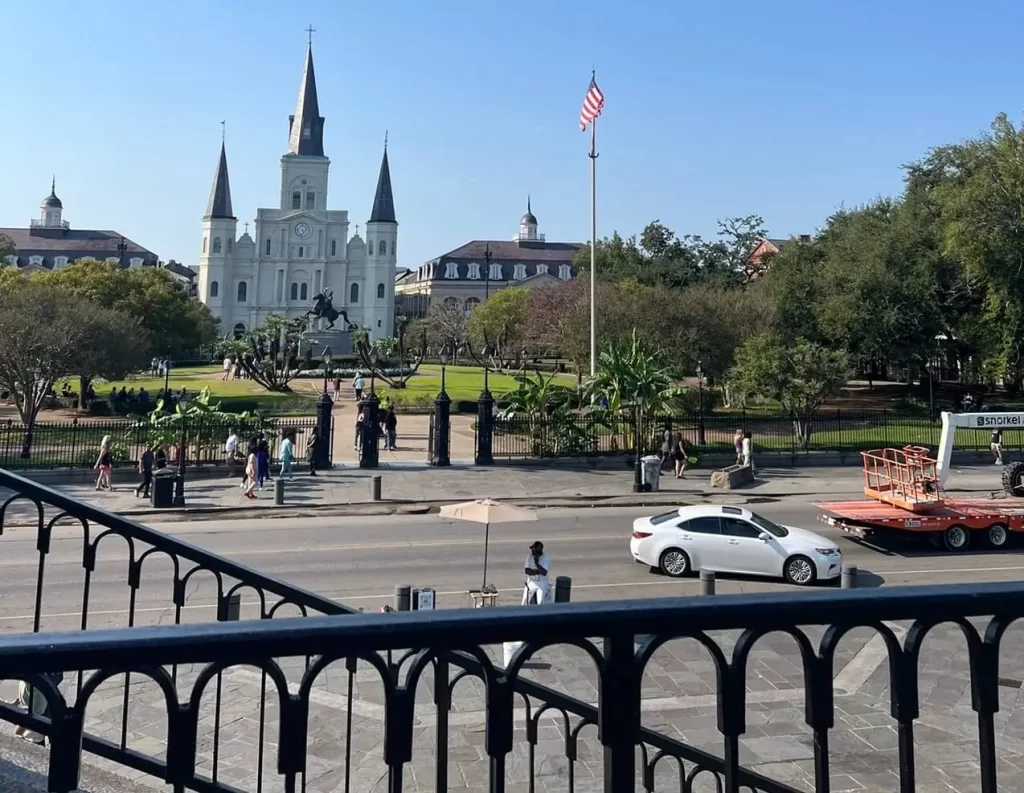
<point x="593" y="248"/>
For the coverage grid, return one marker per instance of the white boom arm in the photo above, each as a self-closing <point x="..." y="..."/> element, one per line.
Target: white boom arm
<point x="977" y="421"/>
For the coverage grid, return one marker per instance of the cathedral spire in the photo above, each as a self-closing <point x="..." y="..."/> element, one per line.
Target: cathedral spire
<point x="306" y="126"/>
<point x="219" y="205"/>
<point x="383" y="201"/>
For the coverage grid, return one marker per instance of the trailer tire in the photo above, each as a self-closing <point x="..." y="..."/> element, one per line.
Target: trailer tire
<point x="1013" y="479"/>
<point x="956" y="538"/>
<point x="998" y="535"/>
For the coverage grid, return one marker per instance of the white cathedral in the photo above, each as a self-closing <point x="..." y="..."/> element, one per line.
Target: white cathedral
<point x="301" y="247"/>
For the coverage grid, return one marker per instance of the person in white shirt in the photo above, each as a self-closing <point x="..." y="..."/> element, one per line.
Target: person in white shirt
<point x="537" y="568"/>
<point x="231" y="452"/>
<point x="227" y="368"/>
<point x="748" y="450"/>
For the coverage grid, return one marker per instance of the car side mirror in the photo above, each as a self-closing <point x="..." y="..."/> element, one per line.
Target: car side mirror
<point x="764" y="537"/>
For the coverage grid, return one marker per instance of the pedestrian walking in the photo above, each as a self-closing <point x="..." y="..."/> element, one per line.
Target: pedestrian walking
<point x="391" y="429"/>
<point x="33" y="701"/>
<point x="996" y="445"/>
<point x="747" y="451"/>
<point x="231" y="451"/>
<point x="146" y="471"/>
<point x="737" y="440"/>
<point x="314" y="438"/>
<point x="537" y="568"/>
<point x="287" y="453"/>
<point x="104" y="464"/>
<point x="357" y="440"/>
<point x="227" y="368"/>
<point x="680" y="455"/>
<point x="250" y="475"/>
<point x="337" y="387"/>
<point x="262" y="461"/>
<point x="357" y="386"/>
<point x="666" y="448"/>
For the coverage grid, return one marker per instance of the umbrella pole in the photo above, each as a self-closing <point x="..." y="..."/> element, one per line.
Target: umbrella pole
<point x="487" y="542"/>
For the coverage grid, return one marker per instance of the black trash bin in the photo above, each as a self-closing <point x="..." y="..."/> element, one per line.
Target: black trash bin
<point x="162" y="494"/>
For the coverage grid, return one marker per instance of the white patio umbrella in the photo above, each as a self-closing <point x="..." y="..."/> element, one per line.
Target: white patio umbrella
<point x="487" y="511"/>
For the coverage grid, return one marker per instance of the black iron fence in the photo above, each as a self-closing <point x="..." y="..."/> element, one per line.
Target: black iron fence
<point x="836" y="431"/>
<point x="76" y="444"/>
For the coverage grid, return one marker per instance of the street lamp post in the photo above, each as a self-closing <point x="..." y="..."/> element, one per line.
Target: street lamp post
<point x="179" y="480"/>
<point x="370" y="436"/>
<point x="122" y="249"/>
<point x="167" y="378"/>
<point x="485" y="416"/>
<point x="700" y="404"/>
<point x="442" y="417"/>
<point x="638" y="479"/>
<point x="324" y="418"/>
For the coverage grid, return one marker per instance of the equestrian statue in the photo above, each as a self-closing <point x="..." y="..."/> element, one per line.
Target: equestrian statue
<point x="323" y="308"/>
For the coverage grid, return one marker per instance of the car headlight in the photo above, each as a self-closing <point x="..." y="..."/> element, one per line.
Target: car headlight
<point x="828" y="551"/>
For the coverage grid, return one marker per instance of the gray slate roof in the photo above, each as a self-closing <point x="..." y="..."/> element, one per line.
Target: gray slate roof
<point x="307" y="116"/>
<point x="74" y="244"/>
<point x="506" y="254"/>
<point x="219" y="205"/>
<point x="383" y="200"/>
<point x="179" y="269"/>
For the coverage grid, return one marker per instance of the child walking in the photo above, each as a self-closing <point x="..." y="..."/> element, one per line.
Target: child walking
<point x="250" y="475"/>
<point x="104" y="463"/>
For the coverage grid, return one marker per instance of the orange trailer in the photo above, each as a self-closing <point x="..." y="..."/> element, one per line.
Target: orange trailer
<point x="906" y="496"/>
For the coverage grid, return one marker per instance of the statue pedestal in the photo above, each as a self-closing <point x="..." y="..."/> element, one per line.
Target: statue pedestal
<point x="314" y="341"/>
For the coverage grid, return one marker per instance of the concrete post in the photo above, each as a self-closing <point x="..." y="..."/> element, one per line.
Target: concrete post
<point x="279" y="491"/>
<point x="369" y="440"/>
<point x="707" y="582"/>
<point x="848" y="577"/>
<point x="403" y="597"/>
<point x="563" y="589"/>
<point x="375" y="487"/>
<point x="442" y="431"/>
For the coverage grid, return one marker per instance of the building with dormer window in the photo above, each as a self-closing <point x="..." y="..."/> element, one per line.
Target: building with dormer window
<point x="463" y="275"/>
<point x="299" y="248"/>
<point x="50" y="243"/>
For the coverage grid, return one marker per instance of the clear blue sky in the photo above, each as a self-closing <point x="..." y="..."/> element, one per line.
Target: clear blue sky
<point x="786" y="109"/>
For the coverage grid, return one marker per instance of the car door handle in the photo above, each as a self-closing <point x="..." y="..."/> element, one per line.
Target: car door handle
<point x="685" y="537"/>
<point x="734" y="542"/>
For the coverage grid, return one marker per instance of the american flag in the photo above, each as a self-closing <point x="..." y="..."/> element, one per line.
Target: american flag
<point x="593" y="103"/>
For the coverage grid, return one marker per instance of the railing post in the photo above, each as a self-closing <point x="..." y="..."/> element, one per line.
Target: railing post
<point x="618" y="713"/>
<point x="485" y="429"/>
<point x="369" y="438"/>
<point x="440" y="431"/>
<point x="322" y="447"/>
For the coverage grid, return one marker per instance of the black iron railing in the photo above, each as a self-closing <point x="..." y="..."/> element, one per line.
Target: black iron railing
<point x="774" y="435"/>
<point x="447" y="639"/>
<point x="76" y="444"/>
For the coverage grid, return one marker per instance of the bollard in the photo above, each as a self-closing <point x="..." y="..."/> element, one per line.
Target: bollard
<point x="403" y="597"/>
<point x="375" y="488"/>
<point x="563" y="589"/>
<point x="279" y="491"/>
<point x="233" y="612"/>
<point x="707" y="582"/>
<point x="849" y="576"/>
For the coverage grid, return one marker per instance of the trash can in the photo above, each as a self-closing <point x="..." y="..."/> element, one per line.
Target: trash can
<point x="162" y="494"/>
<point x="651" y="470"/>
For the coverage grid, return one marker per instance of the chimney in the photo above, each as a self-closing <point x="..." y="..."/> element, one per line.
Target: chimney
<point x="805" y="238"/>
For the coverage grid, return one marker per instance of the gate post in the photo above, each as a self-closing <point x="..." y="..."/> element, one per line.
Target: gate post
<point x="440" y="431"/>
<point x="369" y="437"/>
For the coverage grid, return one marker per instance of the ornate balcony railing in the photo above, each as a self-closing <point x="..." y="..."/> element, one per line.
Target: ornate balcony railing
<point x="294" y="699"/>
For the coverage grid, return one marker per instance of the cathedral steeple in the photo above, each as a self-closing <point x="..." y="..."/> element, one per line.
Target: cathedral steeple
<point x="219" y="205"/>
<point x="306" y="126"/>
<point x="383" y="201"/>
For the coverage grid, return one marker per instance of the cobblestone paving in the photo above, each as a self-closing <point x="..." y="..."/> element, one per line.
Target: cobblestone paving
<point x="678" y="701"/>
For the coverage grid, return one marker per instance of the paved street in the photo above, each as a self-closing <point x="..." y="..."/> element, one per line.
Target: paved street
<point x="358" y="561"/>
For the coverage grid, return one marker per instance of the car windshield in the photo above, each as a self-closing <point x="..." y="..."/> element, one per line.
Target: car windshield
<point x="664" y="517"/>
<point x="768" y="526"/>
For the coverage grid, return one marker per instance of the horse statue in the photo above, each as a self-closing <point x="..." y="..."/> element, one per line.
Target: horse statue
<point x="323" y="308"/>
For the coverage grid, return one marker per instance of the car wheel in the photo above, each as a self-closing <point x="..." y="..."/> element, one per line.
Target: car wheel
<point x="674" y="562"/>
<point x="956" y="538"/>
<point x="998" y="535"/>
<point x="800" y="570"/>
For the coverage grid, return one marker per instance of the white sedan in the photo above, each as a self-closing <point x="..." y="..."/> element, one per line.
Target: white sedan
<point x="732" y="540"/>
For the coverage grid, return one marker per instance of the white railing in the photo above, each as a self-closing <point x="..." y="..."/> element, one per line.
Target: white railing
<point x="40" y="224"/>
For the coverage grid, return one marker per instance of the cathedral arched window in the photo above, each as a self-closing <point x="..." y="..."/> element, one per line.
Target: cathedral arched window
<point x="294" y="292"/>
<point x="204" y="244"/>
<point x="296" y="200"/>
<point x="216" y="244"/>
<point x="214" y="289"/>
<point x="353" y="294"/>
<point x="301" y="249"/>
<point x="369" y="247"/>
<point x="334" y="247"/>
<point x="310" y="200"/>
<point x="268" y="246"/>
<point x="243" y="291"/>
<point x="382" y="248"/>
<point x="380" y="291"/>
<point x="229" y="244"/>
<point x="239" y="330"/>
<point x="304" y="292"/>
